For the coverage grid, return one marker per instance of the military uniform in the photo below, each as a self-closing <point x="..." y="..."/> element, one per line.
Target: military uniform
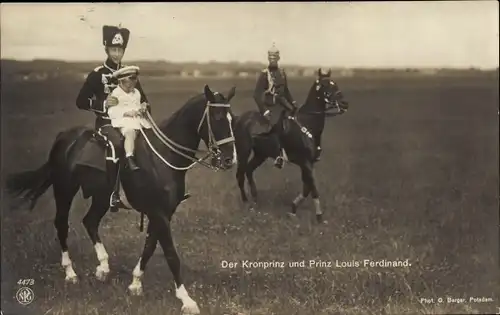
<point x="98" y="85"/>
<point x="272" y="93"/>
<point x="274" y="99"/>
<point x="92" y="97"/>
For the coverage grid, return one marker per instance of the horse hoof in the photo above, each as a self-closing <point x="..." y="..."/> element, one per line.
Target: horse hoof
<point x="319" y="219"/>
<point x="135" y="290"/>
<point x="292" y="215"/>
<point x="244" y="205"/>
<point x="71" y="279"/>
<point x="190" y="309"/>
<point x="101" y="274"/>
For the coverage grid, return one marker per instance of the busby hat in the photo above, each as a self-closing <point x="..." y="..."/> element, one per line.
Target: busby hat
<point x="126" y="72"/>
<point x="113" y="36"/>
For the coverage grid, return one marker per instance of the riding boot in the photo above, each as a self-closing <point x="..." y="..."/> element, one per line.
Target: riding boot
<point x="112" y="170"/>
<point x="279" y="161"/>
<point x="276" y="132"/>
<point x="318" y="153"/>
<point x="186" y="197"/>
<point x="131" y="163"/>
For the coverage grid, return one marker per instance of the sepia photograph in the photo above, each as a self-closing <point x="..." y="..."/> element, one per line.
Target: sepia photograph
<point x="250" y="158"/>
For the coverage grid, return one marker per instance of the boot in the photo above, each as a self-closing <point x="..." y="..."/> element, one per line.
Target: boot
<point x="112" y="170"/>
<point x="279" y="162"/>
<point x="318" y="153"/>
<point x="131" y="163"/>
<point x="186" y="197"/>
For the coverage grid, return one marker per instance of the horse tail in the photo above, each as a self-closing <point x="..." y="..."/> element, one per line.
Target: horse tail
<point x="32" y="184"/>
<point x="28" y="186"/>
<point x="243" y="138"/>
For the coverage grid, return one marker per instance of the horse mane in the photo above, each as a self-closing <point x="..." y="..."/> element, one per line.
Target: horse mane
<point x="190" y="102"/>
<point x="309" y="99"/>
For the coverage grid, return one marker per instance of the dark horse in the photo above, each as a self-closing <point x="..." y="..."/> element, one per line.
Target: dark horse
<point x="301" y="135"/>
<point x="164" y="155"/>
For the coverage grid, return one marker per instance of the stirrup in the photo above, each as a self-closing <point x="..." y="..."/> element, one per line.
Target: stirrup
<point x="114" y="206"/>
<point x="279" y="162"/>
<point x="317" y="154"/>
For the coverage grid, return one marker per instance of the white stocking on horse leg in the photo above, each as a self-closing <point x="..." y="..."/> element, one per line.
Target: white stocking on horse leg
<point x="296" y="203"/>
<point x="189" y="306"/>
<point x="68" y="268"/>
<point x="319" y="212"/>
<point x="102" y="270"/>
<point x="135" y="287"/>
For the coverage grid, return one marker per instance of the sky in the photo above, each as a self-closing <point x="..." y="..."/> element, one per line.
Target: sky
<point x="458" y="34"/>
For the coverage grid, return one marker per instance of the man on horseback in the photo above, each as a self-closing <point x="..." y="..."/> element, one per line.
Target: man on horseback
<point x="274" y="99"/>
<point x="95" y="96"/>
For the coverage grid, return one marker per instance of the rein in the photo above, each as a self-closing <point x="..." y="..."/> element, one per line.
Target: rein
<point x="175" y="147"/>
<point x="325" y="111"/>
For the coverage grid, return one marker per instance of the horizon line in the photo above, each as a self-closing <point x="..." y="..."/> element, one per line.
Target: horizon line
<point x="284" y="64"/>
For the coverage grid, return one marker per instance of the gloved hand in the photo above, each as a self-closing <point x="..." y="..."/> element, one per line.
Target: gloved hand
<point x="293" y="109"/>
<point x="267" y="114"/>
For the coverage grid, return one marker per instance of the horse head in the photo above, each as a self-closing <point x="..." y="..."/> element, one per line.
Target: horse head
<point x="216" y="128"/>
<point x="324" y="95"/>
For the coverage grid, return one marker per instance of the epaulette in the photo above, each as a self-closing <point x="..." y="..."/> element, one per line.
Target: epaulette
<point x="264" y="70"/>
<point x="98" y="68"/>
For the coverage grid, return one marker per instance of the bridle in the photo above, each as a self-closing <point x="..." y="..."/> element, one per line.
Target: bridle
<point x="213" y="144"/>
<point x="330" y="106"/>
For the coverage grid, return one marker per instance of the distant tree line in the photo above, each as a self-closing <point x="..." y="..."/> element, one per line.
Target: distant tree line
<point x="42" y="69"/>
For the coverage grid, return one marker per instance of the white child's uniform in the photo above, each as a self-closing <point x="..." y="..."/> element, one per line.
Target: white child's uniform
<point x="127" y="102"/>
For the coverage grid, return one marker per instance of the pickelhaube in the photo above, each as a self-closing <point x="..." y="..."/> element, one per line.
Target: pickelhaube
<point x="323" y="73"/>
<point x="273" y="51"/>
<point x="113" y="36"/>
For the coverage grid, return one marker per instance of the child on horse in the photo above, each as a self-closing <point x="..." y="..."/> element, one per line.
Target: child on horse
<point x="127" y="114"/>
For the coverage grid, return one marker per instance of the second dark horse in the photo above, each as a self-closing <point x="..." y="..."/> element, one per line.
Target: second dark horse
<point x="301" y="135"/>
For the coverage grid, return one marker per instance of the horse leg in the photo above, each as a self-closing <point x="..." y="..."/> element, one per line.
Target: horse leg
<point x="254" y="163"/>
<point x="315" y="196"/>
<point x="243" y="152"/>
<point x="240" y="176"/>
<point x="63" y="196"/>
<point x="163" y="232"/>
<point x="306" y="190"/>
<point x="240" y="172"/>
<point x="91" y="221"/>
<point x="135" y="287"/>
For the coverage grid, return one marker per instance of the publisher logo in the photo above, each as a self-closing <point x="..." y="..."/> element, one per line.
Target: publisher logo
<point x="25" y="296"/>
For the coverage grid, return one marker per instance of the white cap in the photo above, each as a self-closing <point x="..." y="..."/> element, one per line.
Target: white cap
<point x="126" y="72"/>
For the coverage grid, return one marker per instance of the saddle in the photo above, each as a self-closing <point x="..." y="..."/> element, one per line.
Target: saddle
<point x="260" y="126"/>
<point x="95" y="152"/>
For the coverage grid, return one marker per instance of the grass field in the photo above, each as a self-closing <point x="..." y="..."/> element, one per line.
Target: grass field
<point x="409" y="172"/>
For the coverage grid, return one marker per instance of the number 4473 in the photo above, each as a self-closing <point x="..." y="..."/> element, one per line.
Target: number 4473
<point x="26" y="282"/>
